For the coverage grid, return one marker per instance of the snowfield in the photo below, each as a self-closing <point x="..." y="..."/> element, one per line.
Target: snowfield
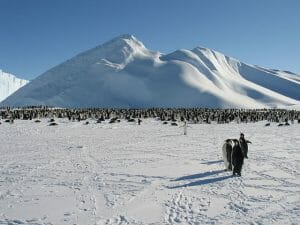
<point x="149" y="174"/>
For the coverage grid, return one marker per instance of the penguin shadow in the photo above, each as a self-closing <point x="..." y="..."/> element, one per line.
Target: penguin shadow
<point x="213" y="162"/>
<point x="171" y="135"/>
<point x="202" y="181"/>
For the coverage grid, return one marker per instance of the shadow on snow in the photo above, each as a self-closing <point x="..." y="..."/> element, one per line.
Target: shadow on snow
<point x="199" y="175"/>
<point x="201" y="182"/>
<point x="213" y="162"/>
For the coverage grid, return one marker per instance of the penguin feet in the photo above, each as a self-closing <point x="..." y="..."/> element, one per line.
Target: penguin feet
<point x="236" y="174"/>
<point x="228" y="169"/>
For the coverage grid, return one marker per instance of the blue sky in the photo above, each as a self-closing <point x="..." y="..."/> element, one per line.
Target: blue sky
<point x="36" y="35"/>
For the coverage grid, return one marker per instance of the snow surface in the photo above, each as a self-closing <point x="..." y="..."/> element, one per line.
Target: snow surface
<point x="149" y="174"/>
<point x="9" y="84"/>
<point x="123" y="73"/>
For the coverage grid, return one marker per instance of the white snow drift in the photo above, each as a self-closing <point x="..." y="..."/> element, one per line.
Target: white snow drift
<point x="123" y="73"/>
<point x="9" y="84"/>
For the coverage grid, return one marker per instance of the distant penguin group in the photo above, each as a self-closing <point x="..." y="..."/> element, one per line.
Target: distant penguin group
<point x="191" y="115"/>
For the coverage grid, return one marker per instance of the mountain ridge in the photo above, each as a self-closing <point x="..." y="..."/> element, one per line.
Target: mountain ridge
<point x="124" y="73"/>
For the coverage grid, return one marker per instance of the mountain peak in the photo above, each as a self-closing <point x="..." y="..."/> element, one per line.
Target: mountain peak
<point x="126" y="36"/>
<point x="125" y="40"/>
<point x="117" y="51"/>
<point x="121" y="49"/>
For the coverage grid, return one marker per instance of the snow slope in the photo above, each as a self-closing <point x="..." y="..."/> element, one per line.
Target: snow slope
<point x="124" y="73"/>
<point x="149" y="174"/>
<point x="9" y="84"/>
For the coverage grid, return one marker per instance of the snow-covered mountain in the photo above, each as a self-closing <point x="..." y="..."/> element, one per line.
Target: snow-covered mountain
<point x="124" y="73"/>
<point x="9" y="84"/>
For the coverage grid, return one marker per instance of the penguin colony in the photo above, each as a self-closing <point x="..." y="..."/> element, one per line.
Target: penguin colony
<point x="191" y="115"/>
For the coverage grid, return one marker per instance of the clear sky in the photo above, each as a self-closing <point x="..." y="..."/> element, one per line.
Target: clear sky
<point x="36" y="35"/>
